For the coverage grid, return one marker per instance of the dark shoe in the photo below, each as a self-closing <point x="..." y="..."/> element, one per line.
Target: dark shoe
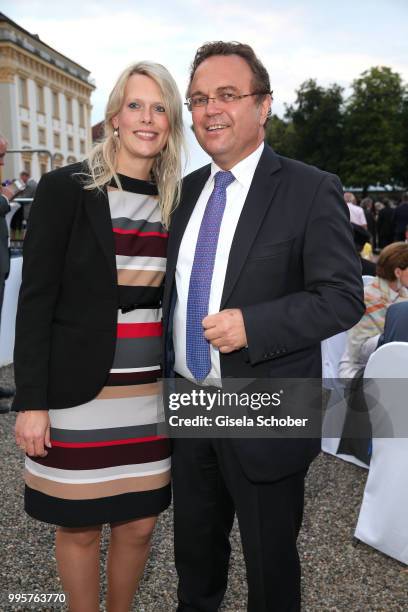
<point x="6" y="393"/>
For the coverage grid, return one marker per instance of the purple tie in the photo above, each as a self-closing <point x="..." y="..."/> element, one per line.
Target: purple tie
<point x="198" y="348"/>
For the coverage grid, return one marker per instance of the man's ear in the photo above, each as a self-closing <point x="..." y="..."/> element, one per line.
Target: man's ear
<point x="266" y="106"/>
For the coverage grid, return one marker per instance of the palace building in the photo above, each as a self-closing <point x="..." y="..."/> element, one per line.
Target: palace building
<point x="44" y="103"/>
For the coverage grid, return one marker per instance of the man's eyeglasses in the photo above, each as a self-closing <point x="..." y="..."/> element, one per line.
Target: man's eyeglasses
<point x="222" y="98"/>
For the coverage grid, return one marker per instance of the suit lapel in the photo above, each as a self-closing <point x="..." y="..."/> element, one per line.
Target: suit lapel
<point x="190" y="194"/>
<point x="97" y="207"/>
<point x="259" y="199"/>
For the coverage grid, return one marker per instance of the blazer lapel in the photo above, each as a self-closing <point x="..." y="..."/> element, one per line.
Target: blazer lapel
<point x="190" y="194"/>
<point x="97" y="207"/>
<point x="266" y="180"/>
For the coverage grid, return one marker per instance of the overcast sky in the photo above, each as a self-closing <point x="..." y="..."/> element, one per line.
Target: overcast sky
<point x="296" y="39"/>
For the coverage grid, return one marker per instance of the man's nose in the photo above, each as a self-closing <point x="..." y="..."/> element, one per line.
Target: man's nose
<point x="213" y="107"/>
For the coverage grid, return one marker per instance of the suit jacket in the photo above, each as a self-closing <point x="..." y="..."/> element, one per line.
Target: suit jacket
<point x="4" y="247"/>
<point x="67" y="309"/>
<point x="294" y="272"/>
<point x="400" y="221"/>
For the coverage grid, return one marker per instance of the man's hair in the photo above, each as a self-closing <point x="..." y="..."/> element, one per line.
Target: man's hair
<point x="350" y="198"/>
<point x="24" y="173"/>
<point x="393" y="256"/>
<point x="260" y="76"/>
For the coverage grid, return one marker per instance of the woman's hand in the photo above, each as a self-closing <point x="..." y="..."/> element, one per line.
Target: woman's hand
<point x="32" y="432"/>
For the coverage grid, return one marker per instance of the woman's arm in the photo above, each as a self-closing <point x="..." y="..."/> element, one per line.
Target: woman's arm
<point x="45" y="246"/>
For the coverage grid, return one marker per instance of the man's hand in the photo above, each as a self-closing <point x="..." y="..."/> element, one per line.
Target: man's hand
<point x="33" y="432"/>
<point x="226" y="330"/>
<point x="8" y="192"/>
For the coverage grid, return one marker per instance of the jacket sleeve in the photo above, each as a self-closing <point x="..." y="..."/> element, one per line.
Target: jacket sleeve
<point x="44" y="251"/>
<point x="332" y="299"/>
<point x="4" y="205"/>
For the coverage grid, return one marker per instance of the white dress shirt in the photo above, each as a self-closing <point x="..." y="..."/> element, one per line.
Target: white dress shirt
<point x="357" y="215"/>
<point x="236" y="196"/>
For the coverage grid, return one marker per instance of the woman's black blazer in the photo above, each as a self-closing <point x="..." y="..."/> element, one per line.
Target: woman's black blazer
<point x="67" y="309"/>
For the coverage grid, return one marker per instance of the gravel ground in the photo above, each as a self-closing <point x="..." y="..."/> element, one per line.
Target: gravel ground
<point x="338" y="575"/>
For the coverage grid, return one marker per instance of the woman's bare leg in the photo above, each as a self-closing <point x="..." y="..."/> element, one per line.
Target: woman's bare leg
<point x="128" y="551"/>
<point x="77" y="552"/>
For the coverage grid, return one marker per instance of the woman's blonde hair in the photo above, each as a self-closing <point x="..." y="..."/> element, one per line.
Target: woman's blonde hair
<point x="101" y="160"/>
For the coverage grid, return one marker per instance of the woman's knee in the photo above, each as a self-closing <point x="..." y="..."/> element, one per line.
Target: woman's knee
<point x="135" y="532"/>
<point x="85" y="538"/>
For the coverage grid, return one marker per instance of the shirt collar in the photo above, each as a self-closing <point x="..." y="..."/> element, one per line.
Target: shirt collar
<point x="244" y="170"/>
<point x="391" y="294"/>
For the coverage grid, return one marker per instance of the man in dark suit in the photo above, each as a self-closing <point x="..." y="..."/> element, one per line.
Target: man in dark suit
<point x="264" y="245"/>
<point x="401" y="219"/>
<point x="396" y="324"/>
<point x="361" y="237"/>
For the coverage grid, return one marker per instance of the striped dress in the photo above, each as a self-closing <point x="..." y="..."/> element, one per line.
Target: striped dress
<point x="109" y="460"/>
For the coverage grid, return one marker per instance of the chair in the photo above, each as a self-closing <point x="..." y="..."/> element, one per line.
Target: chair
<point x="332" y="351"/>
<point x="382" y="522"/>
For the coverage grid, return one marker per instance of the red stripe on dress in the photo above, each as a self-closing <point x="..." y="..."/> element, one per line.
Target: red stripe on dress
<point x="118" y="230"/>
<point x="107" y="443"/>
<point x="139" y="330"/>
<point x="140" y="246"/>
<point x="104" y="457"/>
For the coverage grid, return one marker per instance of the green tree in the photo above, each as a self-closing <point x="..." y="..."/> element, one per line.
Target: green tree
<point x="317" y="121"/>
<point x="372" y="129"/>
<point x="400" y="172"/>
<point x="280" y="135"/>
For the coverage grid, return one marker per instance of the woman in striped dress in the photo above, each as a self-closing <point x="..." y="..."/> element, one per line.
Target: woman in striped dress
<point x="88" y="341"/>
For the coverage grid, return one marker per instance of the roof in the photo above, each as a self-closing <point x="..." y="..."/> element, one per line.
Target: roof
<point x="5" y="19"/>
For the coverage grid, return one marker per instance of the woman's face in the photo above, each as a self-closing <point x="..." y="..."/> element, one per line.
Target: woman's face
<point x="142" y="121"/>
<point x="402" y="276"/>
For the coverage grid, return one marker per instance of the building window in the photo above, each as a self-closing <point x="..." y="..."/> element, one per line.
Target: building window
<point x="57" y="140"/>
<point x="42" y="136"/>
<point x="27" y="166"/>
<point x="43" y="168"/>
<point x="23" y="92"/>
<point x="81" y="115"/>
<point x="70" y="143"/>
<point x="82" y="147"/>
<point x="69" y="110"/>
<point x="58" y="160"/>
<point x="25" y="132"/>
<point x="55" y="105"/>
<point x="40" y="99"/>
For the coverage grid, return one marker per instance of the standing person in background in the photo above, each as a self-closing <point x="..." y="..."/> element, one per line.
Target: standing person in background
<point x="357" y="215"/>
<point x="4" y="245"/>
<point x="88" y="341"/>
<point x="401" y="218"/>
<point x="29" y="192"/>
<point x="367" y="205"/>
<point x="261" y="268"/>
<point x="361" y="237"/>
<point x="385" y="225"/>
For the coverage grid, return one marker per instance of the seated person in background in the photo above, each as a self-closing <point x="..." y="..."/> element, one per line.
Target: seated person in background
<point x="396" y="324"/>
<point x="361" y="238"/>
<point x="388" y="287"/>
